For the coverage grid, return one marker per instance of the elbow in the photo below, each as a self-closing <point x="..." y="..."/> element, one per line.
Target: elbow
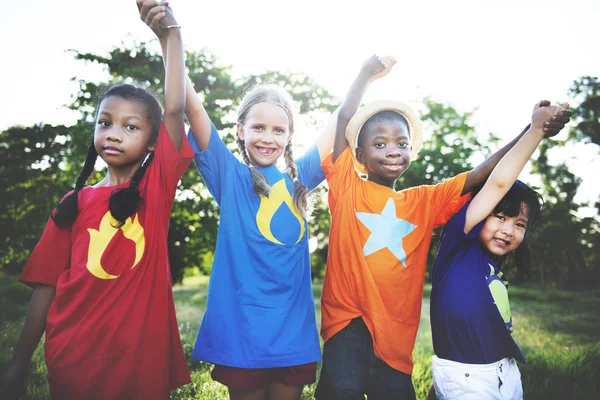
<point x="500" y="183"/>
<point x="174" y="108"/>
<point x="174" y="113"/>
<point x="345" y="115"/>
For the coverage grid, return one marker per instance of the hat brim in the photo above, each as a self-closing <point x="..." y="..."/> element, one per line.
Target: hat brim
<point x="367" y="111"/>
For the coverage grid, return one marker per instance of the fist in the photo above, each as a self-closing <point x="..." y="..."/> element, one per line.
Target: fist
<point x="552" y="118"/>
<point x="156" y="14"/>
<point x="378" y="67"/>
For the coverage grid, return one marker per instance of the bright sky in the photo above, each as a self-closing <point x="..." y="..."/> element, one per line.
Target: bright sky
<point x="494" y="58"/>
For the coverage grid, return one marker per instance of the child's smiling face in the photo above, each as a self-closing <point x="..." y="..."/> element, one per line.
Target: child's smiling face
<point x="266" y="133"/>
<point x="502" y="234"/>
<point x="384" y="150"/>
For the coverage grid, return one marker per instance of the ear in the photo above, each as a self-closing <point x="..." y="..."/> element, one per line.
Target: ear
<point x="359" y="155"/>
<point x="240" y="131"/>
<point x="152" y="147"/>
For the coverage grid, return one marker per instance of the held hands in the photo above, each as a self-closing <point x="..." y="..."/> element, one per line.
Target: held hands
<point x="552" y="119"/>
<point x="378" y="67"/>
<point x="157" y="15"/>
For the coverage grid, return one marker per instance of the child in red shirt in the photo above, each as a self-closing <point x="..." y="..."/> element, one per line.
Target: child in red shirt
<point x="100" y="272"/>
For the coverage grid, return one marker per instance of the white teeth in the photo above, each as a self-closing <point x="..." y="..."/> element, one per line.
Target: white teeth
<point x="265" y="151"/>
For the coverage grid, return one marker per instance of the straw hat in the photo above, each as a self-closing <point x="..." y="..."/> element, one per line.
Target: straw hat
<point x="366" y="112"/>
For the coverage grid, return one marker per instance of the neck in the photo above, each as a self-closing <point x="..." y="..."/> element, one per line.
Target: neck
<point x="383" y="182"/>
<point x="119" y="175"/>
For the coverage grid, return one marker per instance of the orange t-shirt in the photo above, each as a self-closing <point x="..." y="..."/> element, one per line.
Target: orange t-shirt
<point x="378" y="245"/>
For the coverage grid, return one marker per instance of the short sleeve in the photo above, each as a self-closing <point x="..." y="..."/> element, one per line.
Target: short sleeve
<point x="171" y="162"/>
<point x="453" y="236"/>
<point x="310" y="172"/>
<point x="340" y="175"/>
<point x="447" y="199"/>
<point x="214" y="163"/>
<point x="50" y="257"/>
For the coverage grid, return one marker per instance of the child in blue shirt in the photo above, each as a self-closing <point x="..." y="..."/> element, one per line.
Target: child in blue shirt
<point x="475" y="354"/>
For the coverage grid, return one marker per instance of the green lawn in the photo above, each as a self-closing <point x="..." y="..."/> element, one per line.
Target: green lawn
<point x="559" y="332"/>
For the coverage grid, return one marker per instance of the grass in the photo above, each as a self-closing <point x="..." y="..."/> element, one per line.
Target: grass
<point x="559" y="331"/>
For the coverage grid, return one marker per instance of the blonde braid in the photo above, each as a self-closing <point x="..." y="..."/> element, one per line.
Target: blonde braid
<point x="300" y="191"/>
<point x="259" y="181"/>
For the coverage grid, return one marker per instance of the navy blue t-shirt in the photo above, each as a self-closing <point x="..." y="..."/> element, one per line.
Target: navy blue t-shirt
<point x="470" y="313"/>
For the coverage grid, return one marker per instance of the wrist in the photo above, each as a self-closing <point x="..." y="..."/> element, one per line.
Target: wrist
<point x="537" y="130"/>
<point x="171" y="33"/>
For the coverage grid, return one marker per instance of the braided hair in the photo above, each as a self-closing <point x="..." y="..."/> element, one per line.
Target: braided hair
<point x="274" y="94"/>
<point x="123" y="202"/>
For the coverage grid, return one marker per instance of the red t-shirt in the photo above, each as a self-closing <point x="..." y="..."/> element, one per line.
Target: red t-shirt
<point x="378" y="245"/>
<point x="111" y="329"/>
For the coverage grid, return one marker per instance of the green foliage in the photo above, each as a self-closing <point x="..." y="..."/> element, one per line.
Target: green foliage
<point x="33" y="181"/>
<point x="587" y="90"/>
<point x="566" y="245"/>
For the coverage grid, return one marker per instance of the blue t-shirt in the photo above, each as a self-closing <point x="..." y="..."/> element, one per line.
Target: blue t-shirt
<point x="260" y="309"/>
<point x="470" y="313"/>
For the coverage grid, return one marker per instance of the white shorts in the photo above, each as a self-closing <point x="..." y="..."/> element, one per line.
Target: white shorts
<point x="453" y="380"/>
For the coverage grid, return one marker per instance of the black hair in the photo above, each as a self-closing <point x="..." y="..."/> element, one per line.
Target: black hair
<point x="511" y="205"/>
<point x="376" y="119"/>
<point x="123" y="202"/>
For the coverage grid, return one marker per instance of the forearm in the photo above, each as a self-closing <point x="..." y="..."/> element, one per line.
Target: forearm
<point x="194" y="109"/>
<point x="511" y="165"/>
<point x="174" y="86"/>
<point x="35" y="325"/>
<point x="324" y="141"/>
<point x="347" y="111"/>
<point x="479" y="174"/>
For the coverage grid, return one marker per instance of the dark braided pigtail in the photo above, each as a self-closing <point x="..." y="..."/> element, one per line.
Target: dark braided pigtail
<point x="300" y="191"/>
<point x="259" y="181"/>
<point x="67" y="209"/>
<point x="123" y="203"/>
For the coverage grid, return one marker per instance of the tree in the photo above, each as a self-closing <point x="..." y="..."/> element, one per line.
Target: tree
<point x="30" y="160"/>
<point x="567" y="243"/>
<point x="586" y="90"/>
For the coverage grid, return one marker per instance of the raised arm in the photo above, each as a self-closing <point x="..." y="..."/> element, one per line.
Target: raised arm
<point x="12" y="380"/>
<point x="194" y="110"/>
<point x="479" y="174"/>
<point x="509" y="167"/>
<point x="324" y="141"/>
<point x="372" y="69"/>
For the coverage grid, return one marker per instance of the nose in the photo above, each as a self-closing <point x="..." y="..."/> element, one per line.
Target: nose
<point x="268" y="136"/>
<point x="113" y="135"/>
<point x="508" y="229"/>
<point x="394" y="152"/>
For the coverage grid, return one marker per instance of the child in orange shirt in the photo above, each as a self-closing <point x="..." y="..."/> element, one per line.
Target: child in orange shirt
<point x="378" y="245"/>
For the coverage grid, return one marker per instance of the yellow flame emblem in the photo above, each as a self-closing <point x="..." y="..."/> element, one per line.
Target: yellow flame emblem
<point x="269" y="206"/>
<point x="99" y="240"/>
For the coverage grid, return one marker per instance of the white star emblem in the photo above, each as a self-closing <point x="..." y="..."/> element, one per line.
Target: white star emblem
<point x="387" y="230"/>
